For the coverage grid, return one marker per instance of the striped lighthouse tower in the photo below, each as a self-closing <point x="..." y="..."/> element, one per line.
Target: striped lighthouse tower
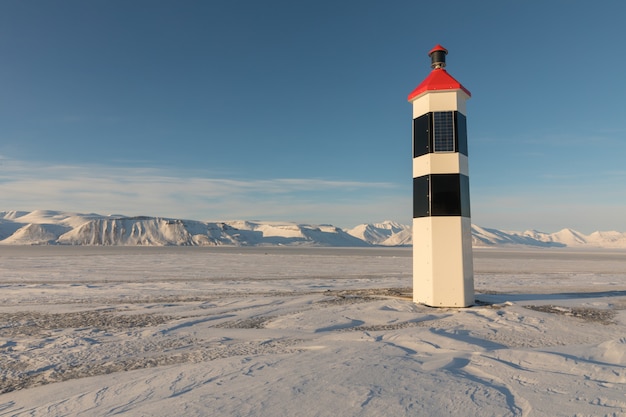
<point x="443" y="272"/>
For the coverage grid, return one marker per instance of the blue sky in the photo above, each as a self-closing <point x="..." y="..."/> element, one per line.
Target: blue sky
<point x="297" y="111"/>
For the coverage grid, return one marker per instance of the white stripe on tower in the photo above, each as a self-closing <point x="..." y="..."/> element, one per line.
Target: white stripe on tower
<point x="443" y="272"/>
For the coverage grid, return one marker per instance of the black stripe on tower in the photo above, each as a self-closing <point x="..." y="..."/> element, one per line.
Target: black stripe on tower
<point x="441" y="195"/>
<point x="441" y="131"/>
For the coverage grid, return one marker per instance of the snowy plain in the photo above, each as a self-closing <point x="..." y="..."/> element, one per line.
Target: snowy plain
<point x="307" y="331"/>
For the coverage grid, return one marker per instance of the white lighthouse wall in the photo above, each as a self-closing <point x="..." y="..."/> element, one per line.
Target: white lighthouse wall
<point x="422" y="261"/>
<point x="440" y="163"/>
<point x="443" y="272"/>
<point x="445" y="100"/>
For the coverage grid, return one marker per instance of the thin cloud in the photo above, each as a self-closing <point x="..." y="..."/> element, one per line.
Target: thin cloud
<point x="151" y="191"/>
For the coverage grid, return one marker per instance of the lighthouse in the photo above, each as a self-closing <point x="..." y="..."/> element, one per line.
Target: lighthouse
<point x="443" y="271"/>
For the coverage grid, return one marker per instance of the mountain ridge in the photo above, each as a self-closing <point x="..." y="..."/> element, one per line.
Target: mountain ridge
<point x="50" y="227"/>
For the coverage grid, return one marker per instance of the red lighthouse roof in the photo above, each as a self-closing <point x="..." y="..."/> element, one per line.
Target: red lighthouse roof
<point x="438" y="79"/>
<point x="437" y="48"/>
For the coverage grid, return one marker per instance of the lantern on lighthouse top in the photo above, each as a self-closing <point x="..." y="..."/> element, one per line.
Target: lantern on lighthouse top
<point x="442" y="243"/>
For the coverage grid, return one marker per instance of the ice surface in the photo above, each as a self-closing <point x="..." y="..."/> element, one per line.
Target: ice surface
<point x="162" y="331"/>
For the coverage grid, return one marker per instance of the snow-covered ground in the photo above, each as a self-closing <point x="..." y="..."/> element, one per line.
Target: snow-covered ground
<point x="227" y="331"/>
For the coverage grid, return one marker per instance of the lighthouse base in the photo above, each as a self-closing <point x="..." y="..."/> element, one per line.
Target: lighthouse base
<point x="443" y="269"/>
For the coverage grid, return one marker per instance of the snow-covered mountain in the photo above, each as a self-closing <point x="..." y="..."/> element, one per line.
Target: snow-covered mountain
<point x="47" y="227"/>
<point x="387" y="233"/>
<point x="563" y="238"/>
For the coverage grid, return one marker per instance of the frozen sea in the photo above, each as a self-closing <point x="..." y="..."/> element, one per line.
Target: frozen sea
<point x="285" y="331"/>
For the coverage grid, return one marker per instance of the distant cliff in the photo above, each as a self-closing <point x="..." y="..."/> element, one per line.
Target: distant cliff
<point x="47" y="227"/>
